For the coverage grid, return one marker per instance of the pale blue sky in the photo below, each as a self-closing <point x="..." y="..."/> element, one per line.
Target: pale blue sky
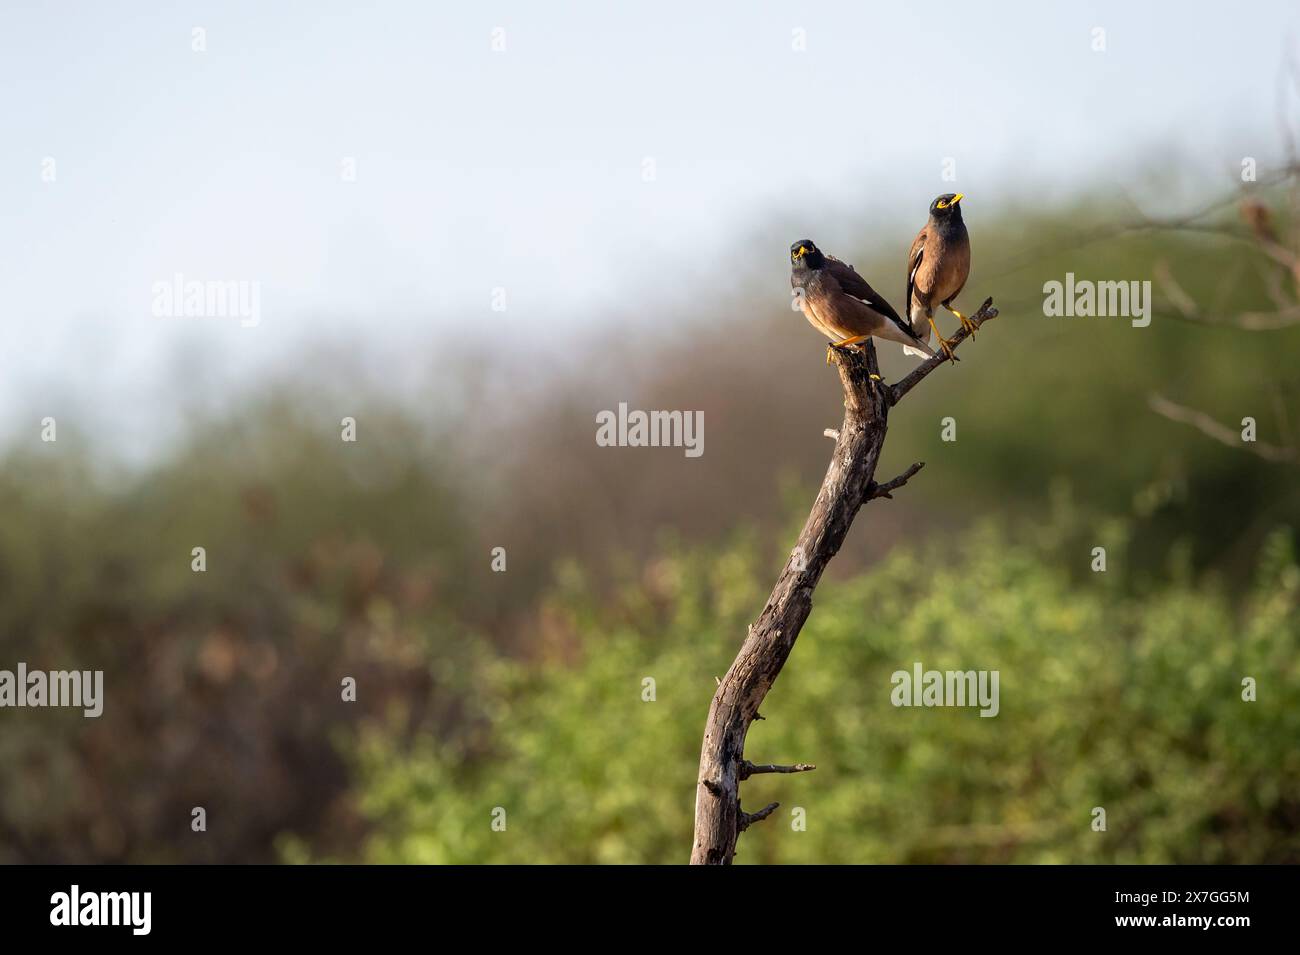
<point x="523" y="169"/>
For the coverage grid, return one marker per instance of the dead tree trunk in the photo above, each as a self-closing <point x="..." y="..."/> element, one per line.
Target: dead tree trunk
<point x="849" y="483"/>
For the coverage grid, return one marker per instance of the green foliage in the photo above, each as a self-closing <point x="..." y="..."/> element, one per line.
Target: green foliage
<point x="1107" y="700"/>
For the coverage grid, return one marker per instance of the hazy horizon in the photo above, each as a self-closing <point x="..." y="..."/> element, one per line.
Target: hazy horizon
<point x="524" y="169"/>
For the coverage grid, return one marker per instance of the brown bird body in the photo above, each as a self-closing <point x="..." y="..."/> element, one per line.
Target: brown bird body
<point x="937" y="267"/>
<point x="840" y="304"/>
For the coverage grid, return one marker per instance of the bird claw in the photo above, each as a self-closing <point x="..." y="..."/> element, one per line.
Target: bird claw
<point x="846" y="343"/>
<point x="944" y="343"/>
<point x="970" y="326"/>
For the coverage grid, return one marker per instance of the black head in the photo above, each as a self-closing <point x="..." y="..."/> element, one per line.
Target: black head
<point x="945" y="207"/>
<point x="805" y="253"/>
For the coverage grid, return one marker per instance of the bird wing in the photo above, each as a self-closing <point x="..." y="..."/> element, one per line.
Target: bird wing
<point x="855" y="285"/>
<point x="914" y="258"/>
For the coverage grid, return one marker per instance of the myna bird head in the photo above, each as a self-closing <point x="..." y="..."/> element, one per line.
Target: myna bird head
<point x="805" y="253"/>
<point x="945" y="207"/>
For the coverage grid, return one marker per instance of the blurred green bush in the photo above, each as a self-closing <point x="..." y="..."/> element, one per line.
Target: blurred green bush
<point x="1133" y="704"/>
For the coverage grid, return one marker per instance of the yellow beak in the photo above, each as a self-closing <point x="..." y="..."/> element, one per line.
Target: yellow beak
<point x="957" y="198"/>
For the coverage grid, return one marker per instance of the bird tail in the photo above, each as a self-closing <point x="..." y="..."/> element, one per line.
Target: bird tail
<point x="919" y="321"/>
<point x="922" y="347"/>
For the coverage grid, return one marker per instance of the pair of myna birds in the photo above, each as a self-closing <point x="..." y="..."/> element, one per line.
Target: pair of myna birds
<point x="839" y="303"/>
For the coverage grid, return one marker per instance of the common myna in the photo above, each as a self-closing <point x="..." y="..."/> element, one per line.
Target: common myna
<point x="839" y="303"/>
<point x="937" y="268"/>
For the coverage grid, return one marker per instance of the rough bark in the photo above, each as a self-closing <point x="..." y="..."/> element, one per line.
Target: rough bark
<point x="849" y="483"/>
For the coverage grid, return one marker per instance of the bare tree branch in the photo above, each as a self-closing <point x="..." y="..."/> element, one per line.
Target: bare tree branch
<point x="1219" y="432"/>
<point x="747" y="819"/>
<point x="748" y="769"/>
<point x="849" y="483"/>
<point x="985" y="312"/>
<point x="1251" y="321"/>
<point x="884" y="490"/>
<point x="1105" y="233"/>
<point x="1262" y="235"/>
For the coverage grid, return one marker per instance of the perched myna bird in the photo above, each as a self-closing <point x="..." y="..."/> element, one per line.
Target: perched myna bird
<point x="839" y="303"/>
<point x="937" y="268"/>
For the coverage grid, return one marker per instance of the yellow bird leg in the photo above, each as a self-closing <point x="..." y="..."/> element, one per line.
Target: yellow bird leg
<point x="966" y="323"/>
<point x="831" y="346"/>
<point x="943" y="342"/>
